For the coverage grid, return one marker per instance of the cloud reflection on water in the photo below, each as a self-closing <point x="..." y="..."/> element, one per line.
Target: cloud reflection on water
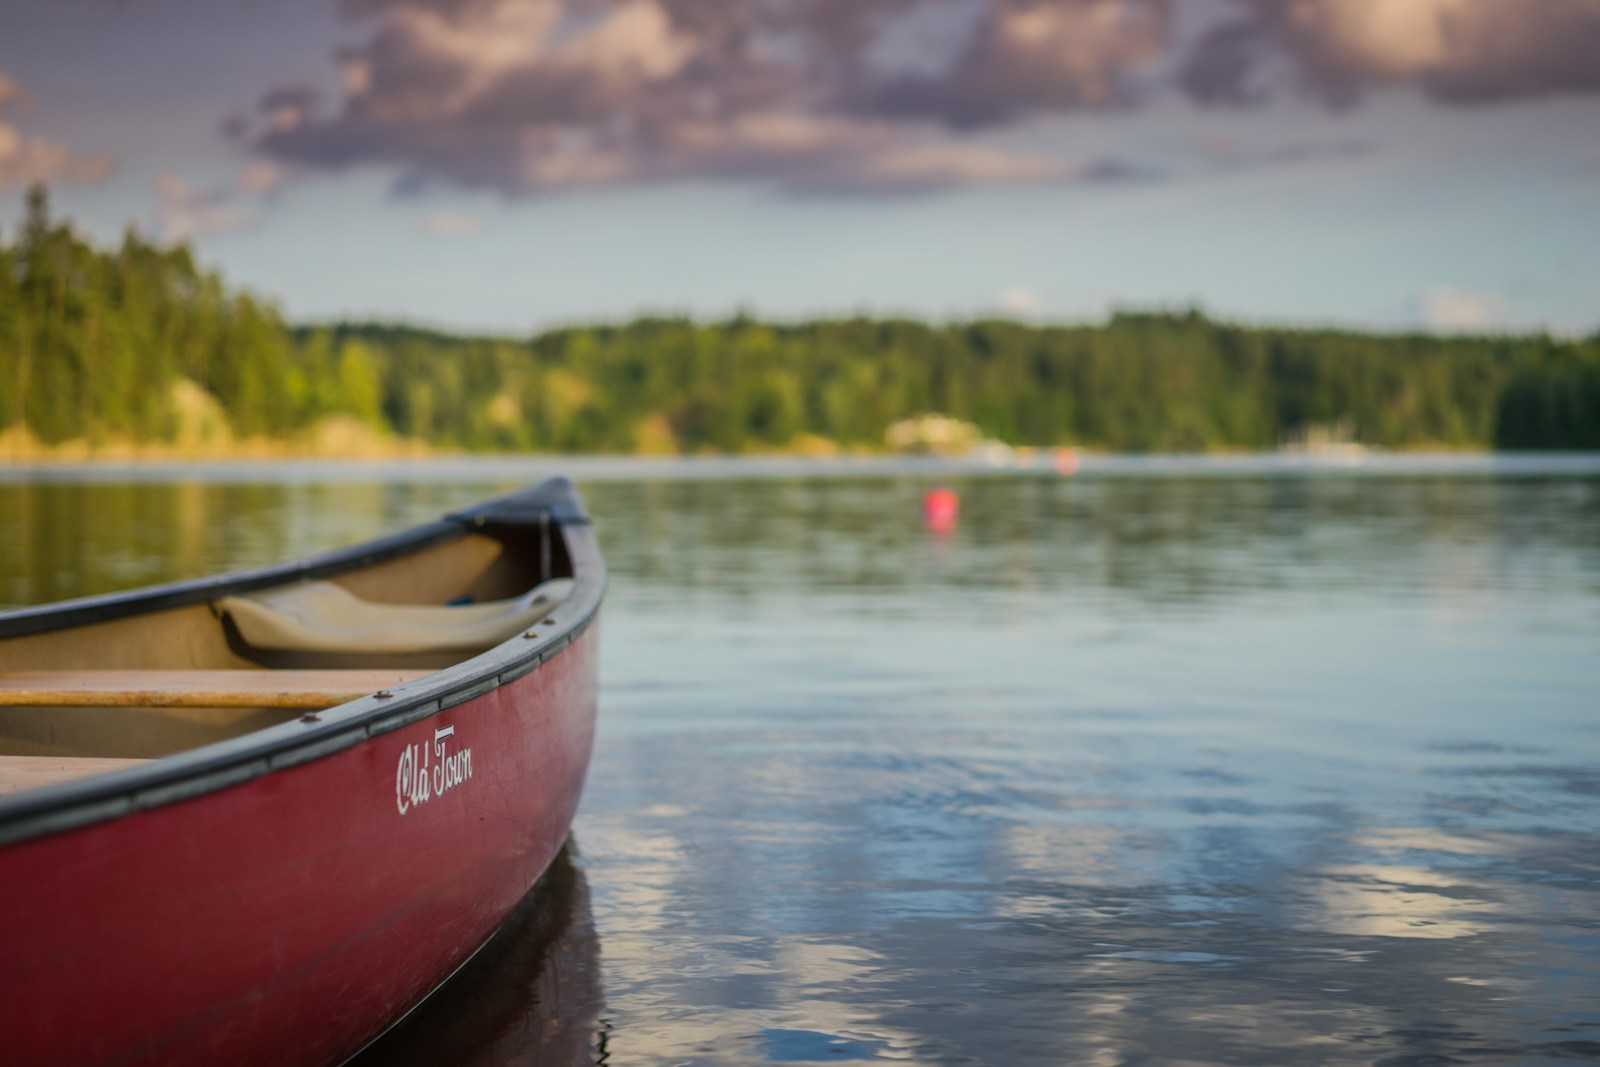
<point x="1166" y="771"/>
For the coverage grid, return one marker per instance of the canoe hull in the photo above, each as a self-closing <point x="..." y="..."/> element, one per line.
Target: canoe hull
<point x="290" y="917"/>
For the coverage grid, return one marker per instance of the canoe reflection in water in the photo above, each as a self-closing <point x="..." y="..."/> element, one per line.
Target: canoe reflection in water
<point x="531" y="996"/>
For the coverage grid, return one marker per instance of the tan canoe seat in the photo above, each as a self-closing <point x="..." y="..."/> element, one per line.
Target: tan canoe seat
<point x="35" y="772"/>
<point x="194" y="689"/>
<point x="324" y="617"/>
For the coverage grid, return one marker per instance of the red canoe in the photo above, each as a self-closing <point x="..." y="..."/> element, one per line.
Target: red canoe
<point x="258" y="818"/>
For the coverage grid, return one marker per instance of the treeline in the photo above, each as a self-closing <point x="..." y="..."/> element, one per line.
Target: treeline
<point x="94" y="343"/>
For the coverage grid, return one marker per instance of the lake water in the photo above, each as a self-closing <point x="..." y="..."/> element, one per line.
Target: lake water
<point x="1173" y="762"/>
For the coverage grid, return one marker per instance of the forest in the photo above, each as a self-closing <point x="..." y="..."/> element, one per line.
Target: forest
<point x="140" y="343"/>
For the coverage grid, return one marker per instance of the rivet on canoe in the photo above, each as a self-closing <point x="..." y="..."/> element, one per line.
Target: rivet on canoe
<point x="383" y="694"/>
<point x="309" y="718"/>
<point x="549" y="622"/>
<point x="531" y="634"/>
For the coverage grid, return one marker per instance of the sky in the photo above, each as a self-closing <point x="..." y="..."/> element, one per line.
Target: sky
<point x="508" y="165"/>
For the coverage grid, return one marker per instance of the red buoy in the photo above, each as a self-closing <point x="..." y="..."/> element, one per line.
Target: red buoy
<point x="940" y="509"/>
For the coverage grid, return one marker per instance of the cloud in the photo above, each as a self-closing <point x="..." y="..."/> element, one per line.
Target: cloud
<point x="25" y="160"/>
<point x="1446" y="309"/>
<point x="450" y="224"/>
<point x="1457" y="51"/>
<point x="1022" y="59"/>
<point x="259" y="178"/>
<point x="860" y="96"/>
<point x="1019" y="301"/>
<point x="1224" y="153"/>
<point x="185" y="212"/>
<point x="815" y="96"/>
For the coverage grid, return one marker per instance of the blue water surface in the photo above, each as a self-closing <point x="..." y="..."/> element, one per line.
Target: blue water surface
<point x="1176" y="761"/>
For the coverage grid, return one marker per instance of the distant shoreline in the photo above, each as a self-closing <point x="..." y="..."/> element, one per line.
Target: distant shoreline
<point x="515" y="468"/>
<point x="340" y="442"/>
<point x="194" y="370"/>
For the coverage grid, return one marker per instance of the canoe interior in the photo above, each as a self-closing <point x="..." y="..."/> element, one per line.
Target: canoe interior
<point x="190" y="650"/>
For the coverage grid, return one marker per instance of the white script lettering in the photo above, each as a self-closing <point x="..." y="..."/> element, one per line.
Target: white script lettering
<point x="426" y="771"/>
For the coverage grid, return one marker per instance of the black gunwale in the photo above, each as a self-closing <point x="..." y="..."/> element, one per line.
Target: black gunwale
<point x="196" y="772"/>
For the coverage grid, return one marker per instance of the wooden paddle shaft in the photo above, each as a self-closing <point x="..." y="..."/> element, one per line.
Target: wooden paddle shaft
<point x="295" y="689"/>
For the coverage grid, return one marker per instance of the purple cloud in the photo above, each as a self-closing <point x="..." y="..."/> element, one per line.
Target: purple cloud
<point x="814" y="95"/>
<point x="1457" y="51"/>
<point x="26" y="159"/>
<point x="859" y="96"/>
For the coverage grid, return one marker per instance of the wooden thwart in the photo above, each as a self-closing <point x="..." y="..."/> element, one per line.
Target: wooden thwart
<point x="195" y="689"/>
<point x="18" y="773"/>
